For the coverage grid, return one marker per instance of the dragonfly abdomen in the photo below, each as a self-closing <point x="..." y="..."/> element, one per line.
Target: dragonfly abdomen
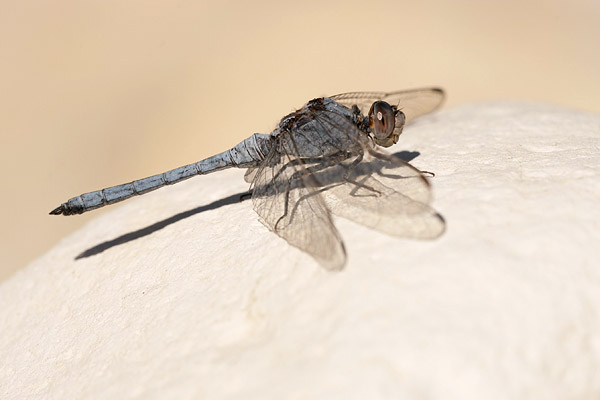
<point x="250" y="152"/>
<point x="246" y="154"/>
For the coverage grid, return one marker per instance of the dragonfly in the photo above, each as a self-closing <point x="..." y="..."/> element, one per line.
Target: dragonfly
<point x="325" y="158"/>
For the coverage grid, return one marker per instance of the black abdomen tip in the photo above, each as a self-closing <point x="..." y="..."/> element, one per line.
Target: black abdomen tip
<point x="73" y="206"/>
<point x="58" y="210"/>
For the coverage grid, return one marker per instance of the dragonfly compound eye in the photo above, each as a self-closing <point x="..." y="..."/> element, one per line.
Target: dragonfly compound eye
<point x="382" y="120"/>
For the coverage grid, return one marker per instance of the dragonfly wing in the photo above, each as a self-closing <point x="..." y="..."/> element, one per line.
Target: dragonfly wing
<point x="386" y="194"/>
<point x="413" y="102"/>
<point x="377" y="189"/>
<point x="250" y="174"/>
<point x="288" y="202"/>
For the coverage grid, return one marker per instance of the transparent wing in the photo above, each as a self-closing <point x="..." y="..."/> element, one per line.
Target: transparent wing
<point x="385" y="194"/>
<point x="413" y="102"/>
<point x="250" y="174"/>
<point x="324" y="164"/>
<point x="288" y="202"/>
<point x="378" y="190"/>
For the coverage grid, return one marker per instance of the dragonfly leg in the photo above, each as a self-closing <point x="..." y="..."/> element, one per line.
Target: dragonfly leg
<point x="348" y="178"/>
<point x="285" y="209"/>
<point x="307" y="173"/>
<point x="390" y="158"/>
<point x="360" y="185"/>
<point x="295" y="162"/>
<point x="335" y="158"/>
<point x="324" y="163"/>
<point x="353" y="165"/>
<point x="308" y="195"/>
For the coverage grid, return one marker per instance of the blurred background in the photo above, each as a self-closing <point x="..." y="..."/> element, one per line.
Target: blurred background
<point x="98" y="93"/>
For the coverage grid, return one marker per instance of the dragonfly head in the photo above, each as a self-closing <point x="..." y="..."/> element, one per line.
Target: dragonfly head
<point x="386" y="123"/>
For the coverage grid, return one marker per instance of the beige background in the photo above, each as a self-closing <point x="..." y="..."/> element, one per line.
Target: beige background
<point x="103" y="92"/>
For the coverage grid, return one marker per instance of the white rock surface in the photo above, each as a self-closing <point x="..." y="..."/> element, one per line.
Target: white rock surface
<point x="505" y="305"/>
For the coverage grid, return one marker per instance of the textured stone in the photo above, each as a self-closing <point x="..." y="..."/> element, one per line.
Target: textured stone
<point x="182" y="293"/>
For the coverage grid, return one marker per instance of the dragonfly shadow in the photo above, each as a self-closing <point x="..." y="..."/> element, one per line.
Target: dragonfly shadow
<point x="233" y="199"/>
<point x="128" y="237"/>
